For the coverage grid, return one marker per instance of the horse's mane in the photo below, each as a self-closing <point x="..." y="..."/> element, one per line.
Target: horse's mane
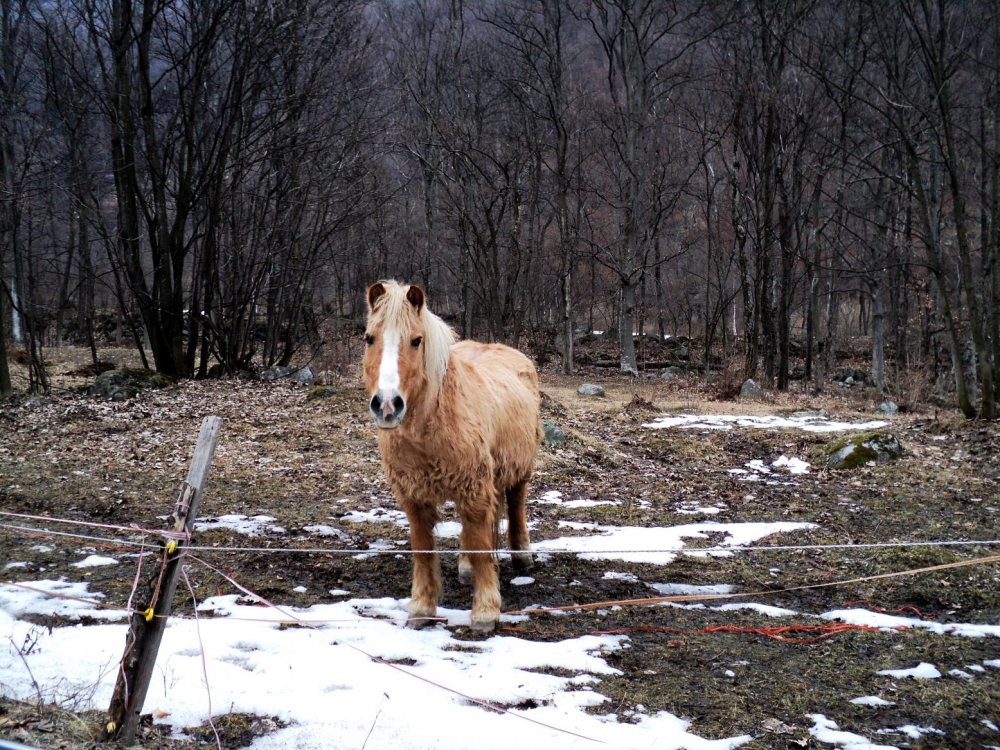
<point x="394" y="308"/>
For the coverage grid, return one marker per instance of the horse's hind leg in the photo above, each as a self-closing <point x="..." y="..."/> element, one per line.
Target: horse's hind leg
<point x="426" y="567"/>
<point x="517" y="527"/>
<point x="477" y="537"/>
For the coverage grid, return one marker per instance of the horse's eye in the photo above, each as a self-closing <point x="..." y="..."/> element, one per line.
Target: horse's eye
<point x="416" y="342"/>
<point x="369" y="339"/>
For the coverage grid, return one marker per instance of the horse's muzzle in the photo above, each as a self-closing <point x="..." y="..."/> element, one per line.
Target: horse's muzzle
<point x="388" y="408"/>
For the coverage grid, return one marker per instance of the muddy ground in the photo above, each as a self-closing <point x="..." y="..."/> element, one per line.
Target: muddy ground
<point x="308" y="462"/>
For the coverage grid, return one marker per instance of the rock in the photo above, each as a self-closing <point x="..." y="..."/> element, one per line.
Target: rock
<point x="553" y="434"/>
<point x="750" y="389"/>
<point x="298" y="374"/>
<point x="850" y="376"/>
<point x="589" y="389"/>
<point x="860" y="450"/>
<point x="276" y="372"/>
<point x="670" y="373"/>
<point x="321" y="391"/>
<point x="121" y="385"/>
<point x="682" y="353"/>
<point x="888" y="408"/>
<point x="34" y="402"/>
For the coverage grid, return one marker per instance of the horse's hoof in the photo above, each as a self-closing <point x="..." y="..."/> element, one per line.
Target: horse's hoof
<point x="484" y="626"/>
<point x="418" y="622"/>
<point x="522" y="562"/>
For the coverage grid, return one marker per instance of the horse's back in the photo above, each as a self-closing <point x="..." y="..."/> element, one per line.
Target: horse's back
<point x="502" y="388"/>
<point x="498" y="363"/>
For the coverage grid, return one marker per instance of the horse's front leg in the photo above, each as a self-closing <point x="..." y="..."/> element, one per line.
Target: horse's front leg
<point x="426" y="590"/>
<point x="477" y="516"/>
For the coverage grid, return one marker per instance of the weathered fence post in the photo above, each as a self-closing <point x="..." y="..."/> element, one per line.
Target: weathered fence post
<point x="150" y="617"/>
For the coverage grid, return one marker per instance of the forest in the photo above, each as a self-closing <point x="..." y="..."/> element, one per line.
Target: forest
<point x="216" y="183"/>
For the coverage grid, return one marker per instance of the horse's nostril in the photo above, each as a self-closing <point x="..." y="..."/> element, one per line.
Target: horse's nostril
<point x="376" y="403"/>
<point x="397" y="404"/>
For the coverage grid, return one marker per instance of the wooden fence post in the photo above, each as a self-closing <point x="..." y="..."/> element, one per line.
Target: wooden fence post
<point x="146" y="626"/>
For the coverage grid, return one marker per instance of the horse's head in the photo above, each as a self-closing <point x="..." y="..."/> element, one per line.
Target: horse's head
<point x="406" y="350"/>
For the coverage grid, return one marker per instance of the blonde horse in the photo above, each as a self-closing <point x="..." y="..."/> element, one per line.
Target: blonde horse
<point x="456" y="421"/>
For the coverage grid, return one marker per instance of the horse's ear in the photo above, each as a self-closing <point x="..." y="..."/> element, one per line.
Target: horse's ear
<point x="415" y="296"/>
<point x="375" y="291"/>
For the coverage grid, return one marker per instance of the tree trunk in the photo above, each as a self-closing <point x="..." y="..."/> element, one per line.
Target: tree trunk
<point x="626" y="318"/>
<point x="878" y="333"/>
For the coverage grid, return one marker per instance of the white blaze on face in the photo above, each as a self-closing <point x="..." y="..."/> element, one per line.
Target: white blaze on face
<point x="388" y="371"/>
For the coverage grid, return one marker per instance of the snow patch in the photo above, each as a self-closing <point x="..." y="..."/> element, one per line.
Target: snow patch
<point x="727" y="421"/>
<point x="94" y="561"/>
<point x="257" y="667"/>
<point x="872" y="700"/>
<point x="923" y="671"/>
<point x="660" y="546"/>
<point x="825" y="730"/>
<point x="249" y="525"/>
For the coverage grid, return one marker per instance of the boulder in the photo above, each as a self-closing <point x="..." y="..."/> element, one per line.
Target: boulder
<point x="750" y="389"/>
<point x="590" y="389"/>
<point x="297" y="374"/>
<point x="553" y="435"/>
<point x="888" y="408"/>
<point x="850" y="376"/>
<point x="121" y="385"/>
<point x="862" y="449"/>
<point x="670" y="373"/>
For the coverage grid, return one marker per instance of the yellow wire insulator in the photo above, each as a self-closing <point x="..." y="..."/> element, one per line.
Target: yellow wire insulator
<point x="171" y="547"/>
<point x="111" y="727"/>
<point x="148" y="614"/>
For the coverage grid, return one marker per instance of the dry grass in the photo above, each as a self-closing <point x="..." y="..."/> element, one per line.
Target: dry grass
<point x="295" y="460"/>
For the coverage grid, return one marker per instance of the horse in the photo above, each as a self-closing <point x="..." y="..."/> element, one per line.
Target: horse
<point x="456" y="420"/>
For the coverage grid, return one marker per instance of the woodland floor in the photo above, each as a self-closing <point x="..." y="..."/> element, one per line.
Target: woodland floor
<point x="310" y="462"/>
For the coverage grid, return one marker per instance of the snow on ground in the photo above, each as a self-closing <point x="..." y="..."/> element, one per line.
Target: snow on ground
<point x="32" y="598"/>
<point x="670" y="589"/>
<point x="872" y="700"/>
<point x="323" y="682"/>
<point x="808" y="423"/>
<point x="249" y="525"/>
<point x="888" y="622"/>
<point x="324" y="530"/>
<point x="759" y="470"/>
<point x="92" y="561"/>
<point x="693" y="507"/>
<point x="376" y="515"/>
<point x="658" y="546"/>
<point x="555" y="497"/>
<point x="923" y="671"/>
<point x="825" y="730"/>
